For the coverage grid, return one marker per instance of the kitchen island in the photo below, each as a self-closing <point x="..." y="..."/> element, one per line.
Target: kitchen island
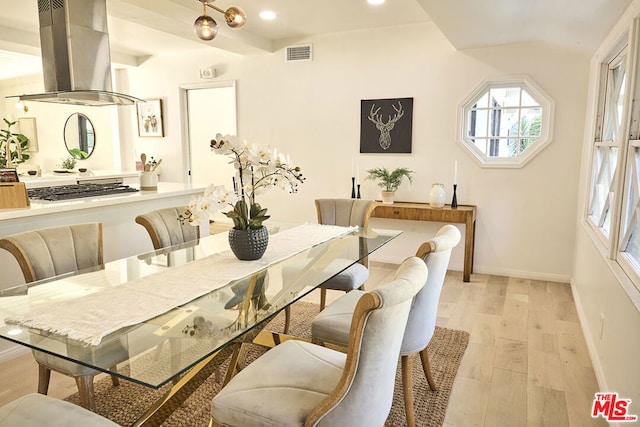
<point x="122" y="237"/>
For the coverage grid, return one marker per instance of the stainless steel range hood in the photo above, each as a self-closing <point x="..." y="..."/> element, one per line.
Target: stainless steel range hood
<point x="76" y="61"/>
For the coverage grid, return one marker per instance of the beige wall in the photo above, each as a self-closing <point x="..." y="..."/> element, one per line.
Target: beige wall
<point x="312" y="111"/>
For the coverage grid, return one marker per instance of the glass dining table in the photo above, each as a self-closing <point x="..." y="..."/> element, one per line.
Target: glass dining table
<point x="186" y="343"/>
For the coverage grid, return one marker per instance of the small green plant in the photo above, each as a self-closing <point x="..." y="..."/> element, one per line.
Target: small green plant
<point x="15" y="143"/>
<point x="390" y="181"/>
<point x="69" y="163"/>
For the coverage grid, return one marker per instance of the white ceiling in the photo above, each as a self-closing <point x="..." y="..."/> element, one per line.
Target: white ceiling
<point x="142" y="28"/>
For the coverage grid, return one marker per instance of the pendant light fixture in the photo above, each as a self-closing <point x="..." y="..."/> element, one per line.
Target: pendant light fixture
<point x="206" y="27"/>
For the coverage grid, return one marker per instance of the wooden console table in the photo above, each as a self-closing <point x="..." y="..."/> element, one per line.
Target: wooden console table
<point x="463" y="214"/>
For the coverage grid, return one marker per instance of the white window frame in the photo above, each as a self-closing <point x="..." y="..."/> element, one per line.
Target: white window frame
<point x="625" y="198"/>
<point x="546" y="128"/>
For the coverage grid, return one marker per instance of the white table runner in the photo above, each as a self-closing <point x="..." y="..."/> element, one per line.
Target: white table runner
<point x="90" y="318"/>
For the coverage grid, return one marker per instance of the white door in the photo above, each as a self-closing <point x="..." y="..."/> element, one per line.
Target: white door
<point x="210" y="110"/>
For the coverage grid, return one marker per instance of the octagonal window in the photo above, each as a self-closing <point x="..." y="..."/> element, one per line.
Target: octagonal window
<point x="505" y="123"/>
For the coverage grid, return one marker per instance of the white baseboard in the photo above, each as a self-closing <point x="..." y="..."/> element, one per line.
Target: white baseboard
<point x="533" y="275"/>
<point x="12" y="352"/>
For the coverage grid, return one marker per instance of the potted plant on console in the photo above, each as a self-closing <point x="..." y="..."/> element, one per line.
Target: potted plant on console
<point x="389" y="181"/>
<point x="257" y="168"/>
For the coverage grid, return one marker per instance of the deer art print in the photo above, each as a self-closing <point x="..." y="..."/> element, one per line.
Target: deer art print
<point x="385" y="128"/>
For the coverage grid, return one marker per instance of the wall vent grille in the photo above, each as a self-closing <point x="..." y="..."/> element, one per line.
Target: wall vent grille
<point x="298" y="53"/>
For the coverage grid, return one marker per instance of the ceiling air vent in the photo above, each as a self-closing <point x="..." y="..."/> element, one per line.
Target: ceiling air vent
<point x="298" y="53"/>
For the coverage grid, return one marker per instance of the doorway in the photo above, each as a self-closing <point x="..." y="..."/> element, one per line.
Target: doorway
<point x="208" y="109"/>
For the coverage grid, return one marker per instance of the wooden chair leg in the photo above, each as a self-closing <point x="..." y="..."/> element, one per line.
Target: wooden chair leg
<point x="44" y="375"/>
<point x="424" y="356"/>
<point x="115" y="380"/>
<point x="323" y="298"/>
<point x="287" y="319"/>
<point x="407" y="390"/>
<point x="85" y="389"/>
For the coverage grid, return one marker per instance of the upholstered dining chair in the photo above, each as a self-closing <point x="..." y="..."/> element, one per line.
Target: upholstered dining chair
<point x="38" y="410"/>
<point x="50" y="252"/>
<point x="164" y="228"/>
<point x="333" y="324"/>
<point x="298" y="383"/>
<point x="345" y="212"/>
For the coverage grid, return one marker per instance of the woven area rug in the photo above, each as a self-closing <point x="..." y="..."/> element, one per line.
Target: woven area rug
<point x="125" y="403"/>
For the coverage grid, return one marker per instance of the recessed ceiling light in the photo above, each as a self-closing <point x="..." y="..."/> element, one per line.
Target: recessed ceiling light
<point x="268" y="15"/>
<point x="375" y="1"/>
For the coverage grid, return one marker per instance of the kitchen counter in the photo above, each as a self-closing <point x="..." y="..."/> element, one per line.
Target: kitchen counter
<point x="41" y="208"/>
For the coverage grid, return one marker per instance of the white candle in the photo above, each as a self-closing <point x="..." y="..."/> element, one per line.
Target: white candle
<point x="455" y="172"/>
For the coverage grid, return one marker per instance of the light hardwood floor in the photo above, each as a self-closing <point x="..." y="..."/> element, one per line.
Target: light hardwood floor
<point x="527" y="363"/>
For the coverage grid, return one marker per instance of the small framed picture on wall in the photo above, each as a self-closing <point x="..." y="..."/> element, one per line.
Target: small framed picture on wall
<point x="150" y="118"/>
<point x="386" y="125"/>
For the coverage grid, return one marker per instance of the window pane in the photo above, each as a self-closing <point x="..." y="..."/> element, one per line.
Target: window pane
<point x="477" y="120"/>
<point x="528" y="101"/>
<point x="483" y="102"/>
<point x="505" y="96"/>
<point x="530" y="122"/>
<point x="614" y="99"/>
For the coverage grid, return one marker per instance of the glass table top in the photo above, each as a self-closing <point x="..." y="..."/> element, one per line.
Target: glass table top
<point x="157" y="350"/>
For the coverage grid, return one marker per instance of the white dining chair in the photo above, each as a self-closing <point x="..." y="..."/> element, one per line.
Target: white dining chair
<point x="39" y="410"/>
<point x="299" y="383"/>
<point x="50" y="252"/>
<point x="165" y="229"/>
<point x="333" y="324"/>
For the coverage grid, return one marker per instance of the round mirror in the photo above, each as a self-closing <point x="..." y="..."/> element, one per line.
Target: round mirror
<point x="79" y="136"/>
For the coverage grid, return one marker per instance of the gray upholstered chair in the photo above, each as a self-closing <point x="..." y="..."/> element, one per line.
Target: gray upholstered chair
<point x="39" y="410"/>
<point x="165" y="229"/>
<point x="299" y="383"/>
<point x="50" y="252"/>
<point x="345" y="212"/>
<point x="333" y="324"/>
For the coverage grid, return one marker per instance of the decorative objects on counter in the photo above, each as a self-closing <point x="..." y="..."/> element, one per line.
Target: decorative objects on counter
<point x="437" y="196"/>
<point x="13" y="146"/>
<point x="148" y="181"/>
<point x="389" y="181"/>
<point x="257" y="167"/>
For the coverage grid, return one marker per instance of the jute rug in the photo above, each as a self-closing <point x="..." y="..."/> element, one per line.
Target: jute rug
<point x="125" y="403"/>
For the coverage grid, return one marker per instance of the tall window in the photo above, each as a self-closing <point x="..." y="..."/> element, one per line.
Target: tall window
<point x="505" y="123"/>
<point x="614" y="198"/>
<point x="608" y="139"/>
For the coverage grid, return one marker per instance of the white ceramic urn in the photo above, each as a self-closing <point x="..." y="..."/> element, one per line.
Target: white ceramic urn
<point x="437" y="196"/>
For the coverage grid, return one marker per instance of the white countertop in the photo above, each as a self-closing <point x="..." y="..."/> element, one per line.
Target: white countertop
<point x="38" y="207"/>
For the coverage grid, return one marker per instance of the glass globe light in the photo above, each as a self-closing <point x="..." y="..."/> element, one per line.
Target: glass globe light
<point x="235" y="17"/>
<point x="205" y="27"/>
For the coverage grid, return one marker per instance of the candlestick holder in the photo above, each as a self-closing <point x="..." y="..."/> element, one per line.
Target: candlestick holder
<point x="358" y="196"/>
<point x="353" y="187"/>
<point x="454" y="201"/>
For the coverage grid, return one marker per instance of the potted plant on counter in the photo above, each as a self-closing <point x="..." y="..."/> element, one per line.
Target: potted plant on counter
<point x="389" y="181"/>
<point x="13" y="146"/>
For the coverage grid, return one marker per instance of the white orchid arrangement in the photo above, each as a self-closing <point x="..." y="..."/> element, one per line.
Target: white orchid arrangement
<point x="258" y="168"/>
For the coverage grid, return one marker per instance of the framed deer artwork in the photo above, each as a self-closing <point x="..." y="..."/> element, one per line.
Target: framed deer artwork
<point x="386" y="125"/>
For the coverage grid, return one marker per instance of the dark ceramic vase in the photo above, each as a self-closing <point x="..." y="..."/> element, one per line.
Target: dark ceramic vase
<point x="249" y="245"/>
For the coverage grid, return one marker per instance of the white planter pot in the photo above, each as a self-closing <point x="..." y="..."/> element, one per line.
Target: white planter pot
<point x="388" y="197"/>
